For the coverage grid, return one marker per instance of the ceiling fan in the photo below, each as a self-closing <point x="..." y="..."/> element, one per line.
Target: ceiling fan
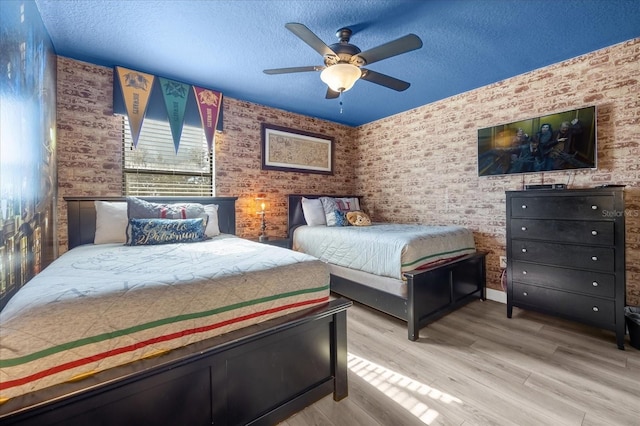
<point x="343" y="61"/>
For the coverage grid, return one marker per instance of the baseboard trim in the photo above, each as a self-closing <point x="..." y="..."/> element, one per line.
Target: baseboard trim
<point x="496" y="295"/>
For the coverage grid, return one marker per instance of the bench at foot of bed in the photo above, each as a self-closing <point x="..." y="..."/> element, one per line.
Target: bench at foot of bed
<point x="431" y="292"/>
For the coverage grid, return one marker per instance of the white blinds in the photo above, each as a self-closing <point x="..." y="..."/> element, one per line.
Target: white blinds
<point x="154" y="167"/>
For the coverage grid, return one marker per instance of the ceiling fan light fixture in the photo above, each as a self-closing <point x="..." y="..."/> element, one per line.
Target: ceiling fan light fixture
<point x="340" y="77"/>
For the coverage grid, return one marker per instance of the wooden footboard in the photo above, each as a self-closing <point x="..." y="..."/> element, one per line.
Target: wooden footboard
<point x="259" y="375"/>
<point x="431" y="293"/>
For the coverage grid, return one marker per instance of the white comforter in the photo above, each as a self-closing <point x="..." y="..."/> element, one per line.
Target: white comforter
<point x="99" y="306"/>
<point x="387" y="250"/>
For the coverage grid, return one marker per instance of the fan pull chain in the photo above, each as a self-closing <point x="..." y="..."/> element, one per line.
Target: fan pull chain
<point x="340" y="98"/>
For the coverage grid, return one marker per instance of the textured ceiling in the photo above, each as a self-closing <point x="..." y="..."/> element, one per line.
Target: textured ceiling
<point x="225" y="45"/>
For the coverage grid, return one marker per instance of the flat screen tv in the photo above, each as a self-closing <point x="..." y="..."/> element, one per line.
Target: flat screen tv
<point x="561" y="141"/>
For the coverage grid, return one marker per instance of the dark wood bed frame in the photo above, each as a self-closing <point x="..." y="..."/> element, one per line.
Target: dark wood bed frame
<point x="258" y="375"/>
<point x="431" y="292"/>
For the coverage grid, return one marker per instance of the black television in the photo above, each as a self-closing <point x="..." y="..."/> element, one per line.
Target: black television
<point x="560" y="141"/>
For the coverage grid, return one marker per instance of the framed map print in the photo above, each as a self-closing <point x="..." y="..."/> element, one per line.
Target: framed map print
<point x="291" y="150"/>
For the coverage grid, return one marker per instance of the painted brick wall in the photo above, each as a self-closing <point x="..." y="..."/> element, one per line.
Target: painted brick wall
<point x="89" y="137"/>
<point x="420" y="166"/>
<point x="238" y="164"/>
<point x="90" y="159"/>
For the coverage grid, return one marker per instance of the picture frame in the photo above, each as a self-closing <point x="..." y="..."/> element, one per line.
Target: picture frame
<point x="289" y="150"/>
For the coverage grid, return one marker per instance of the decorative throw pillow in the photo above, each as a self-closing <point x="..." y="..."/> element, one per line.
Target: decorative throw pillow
<point x="141" y="209"/>
<point x="329" y="207"/>
<point x="341" y="218"/>
<point x="348" y="204"/>
<point x="313" y="212"/>
<point x="142" y="232"/>
<point x="358" y="218"/>
<point x="111" y="222"/>
<point x="212" y="229"/>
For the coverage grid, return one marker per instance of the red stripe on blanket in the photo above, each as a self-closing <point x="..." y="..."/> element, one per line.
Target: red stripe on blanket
<point x="135" y="346"/>
<point x="438" y="262"/>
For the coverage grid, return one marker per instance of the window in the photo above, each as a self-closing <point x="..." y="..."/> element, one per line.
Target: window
<point x="154" y="168"/>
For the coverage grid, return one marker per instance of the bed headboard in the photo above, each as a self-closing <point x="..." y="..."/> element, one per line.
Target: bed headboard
<point x="295" y="216"/>
<point x="81" y="214"/>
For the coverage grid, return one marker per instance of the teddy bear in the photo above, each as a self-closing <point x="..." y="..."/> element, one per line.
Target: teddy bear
<point x="358" y="218"/>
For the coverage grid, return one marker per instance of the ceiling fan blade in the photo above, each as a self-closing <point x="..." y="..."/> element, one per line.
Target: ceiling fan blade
<point x="306" y="35"/>
<point x="384" y="80"/>
<point x="402" y="45"/>
<point x="331" y="94"/>
<point x="293" y="69"/>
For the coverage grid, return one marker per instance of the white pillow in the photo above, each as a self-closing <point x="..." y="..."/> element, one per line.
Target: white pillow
<point x="212" y="222"/>
<point x="111" y="222"/>
<point x="313" y="212"/>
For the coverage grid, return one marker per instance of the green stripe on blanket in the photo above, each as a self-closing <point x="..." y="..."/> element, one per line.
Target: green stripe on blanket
<point x="444" y="253"/>
<point x="11" y="362"/>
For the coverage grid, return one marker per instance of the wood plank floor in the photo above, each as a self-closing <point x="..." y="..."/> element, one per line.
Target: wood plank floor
<point x="477" y="367"/>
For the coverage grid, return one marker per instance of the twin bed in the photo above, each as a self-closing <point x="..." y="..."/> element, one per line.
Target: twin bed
<point x="219" y="331"/>
<point x="412" y="272"/>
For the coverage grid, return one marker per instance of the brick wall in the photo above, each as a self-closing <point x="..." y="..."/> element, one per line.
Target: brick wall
<point x="90" y="159"/>
<point x="89" y="138"/>
<point x="420" y="166"/>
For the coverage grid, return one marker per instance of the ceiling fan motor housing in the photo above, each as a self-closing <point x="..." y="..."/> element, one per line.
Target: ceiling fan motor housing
<point x="345" y="50"/>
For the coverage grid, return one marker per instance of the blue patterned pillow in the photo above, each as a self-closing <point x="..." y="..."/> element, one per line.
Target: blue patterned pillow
<point x="341" y="218"/>
<point x="142" y="232"/>
<point x="141" y="209"/>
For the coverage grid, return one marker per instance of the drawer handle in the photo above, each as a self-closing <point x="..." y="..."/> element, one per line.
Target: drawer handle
<point x="524" y="228"/>
<point x="524" y="206"/>
<point x="594" y="207"/>
<point x="594" y="232"/>
<point x="524" y="293"/>
<point x="595" y="309"/>
<point x="594" y="258"/>
<point x="524" y="272"/>
<point x="524" y="250"/>
<point x="595" y="283"/>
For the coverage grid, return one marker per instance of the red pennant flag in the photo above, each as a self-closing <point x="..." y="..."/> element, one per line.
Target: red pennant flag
<point x="209" y="103"/>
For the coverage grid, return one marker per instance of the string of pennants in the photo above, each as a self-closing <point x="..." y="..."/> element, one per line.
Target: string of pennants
<point x="136" y="90"/>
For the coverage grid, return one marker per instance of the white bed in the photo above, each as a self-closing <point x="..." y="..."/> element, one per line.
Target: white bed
<point x="413" y="272"/>
<point x="100" y="306"/>
<point x="170" y="333"/>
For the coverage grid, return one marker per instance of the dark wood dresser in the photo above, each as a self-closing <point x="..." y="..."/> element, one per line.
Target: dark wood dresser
<point x="565" y="255"/>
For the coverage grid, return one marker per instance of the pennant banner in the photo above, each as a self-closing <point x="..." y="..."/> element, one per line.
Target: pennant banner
<point x="136" y="88"/>
<point x="175" y="99"/>
<point x="209" y="105"/>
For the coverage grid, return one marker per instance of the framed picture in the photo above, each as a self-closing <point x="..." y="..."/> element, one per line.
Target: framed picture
<point x="296" y="151"/>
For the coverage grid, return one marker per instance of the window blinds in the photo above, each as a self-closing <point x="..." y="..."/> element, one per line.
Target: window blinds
<point x="155" y="169"/>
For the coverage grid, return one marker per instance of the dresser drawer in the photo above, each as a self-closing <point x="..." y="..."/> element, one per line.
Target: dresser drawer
<point x="564" y="231"/>
<point x="576" y="280"/>
<point x="593" y="258"/>
<point x="590" y="310"/>
<point x="592" y="207"/>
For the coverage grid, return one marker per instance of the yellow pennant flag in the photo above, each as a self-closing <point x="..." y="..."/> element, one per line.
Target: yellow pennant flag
<point x="136" y="88"/>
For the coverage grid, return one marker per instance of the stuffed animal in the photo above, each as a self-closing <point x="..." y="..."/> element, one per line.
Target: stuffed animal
<point x="358" y="218"/>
